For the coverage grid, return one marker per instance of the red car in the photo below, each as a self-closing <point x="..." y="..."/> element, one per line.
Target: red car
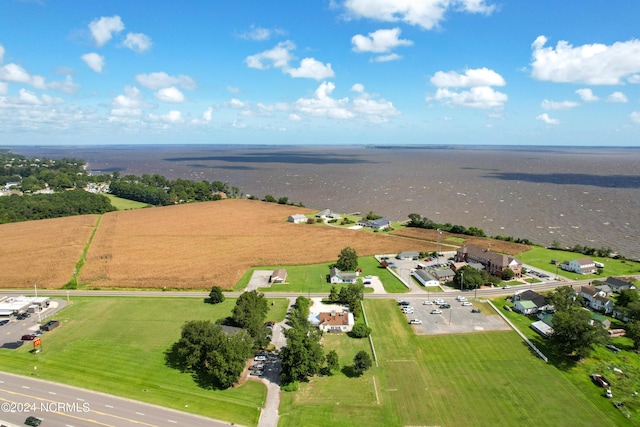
<point x="28" y="337"/>
<point x="270" y="324"/>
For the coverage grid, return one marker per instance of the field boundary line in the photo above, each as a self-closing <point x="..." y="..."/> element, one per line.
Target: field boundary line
<point x="83" y="256"/>
<point x="529" y="343"/>
<point x="375" y="388"/>
<point x="373" y="349"/>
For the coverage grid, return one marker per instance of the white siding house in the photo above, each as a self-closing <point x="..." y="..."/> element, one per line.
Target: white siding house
<point x="425" y="278"/>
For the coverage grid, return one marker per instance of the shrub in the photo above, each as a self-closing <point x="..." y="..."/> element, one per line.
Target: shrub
<point x="360" y="331"/>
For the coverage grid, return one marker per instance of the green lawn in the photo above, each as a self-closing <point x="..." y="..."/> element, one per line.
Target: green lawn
<point x="125" y="204"/>
<point x="482" y="379"/>
<point x="311" y="278"/>
<point x="540" y="257"/>
<point x="117" y="345"/>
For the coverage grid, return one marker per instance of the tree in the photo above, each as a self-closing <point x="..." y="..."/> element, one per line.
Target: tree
<point x="333" y="363"/>
<point x="564" y="298"/>
<point x="249" y="314"/>
<point x="347" y="260"/>
<point x="333" y="294"/>
<point x="215" y="296"/>
<point x="627" y="297"/>
<point x="468" y="278"/>
<point x="361" y="362"/>
<point x="508" y="274"/>
<point x="303" y="356"/>
<point x="372" y="216"/>
<point x="574" y="335"/>
<point x="633" y="332"/>
<point x="217" y="358"/>
<point x="360" y="330"/>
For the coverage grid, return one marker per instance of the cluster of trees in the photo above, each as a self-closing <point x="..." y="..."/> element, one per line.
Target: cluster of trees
<point x="16" y="208"/>
<point x="573" y="332"/>
<point x="347" y="260"/>
<point x="468" y="277"/>
<point x="159" y="191"/>
<point x="514" y="240"/>
<point x="217" y="358"/>
<point x="349" y="295"/>
<point x="415" y="220"/>
<point x="586" y="250"/>
<point x="280" y="200"/>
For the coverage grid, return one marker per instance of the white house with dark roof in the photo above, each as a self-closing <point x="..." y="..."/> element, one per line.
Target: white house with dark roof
<point x="596" y="299"/>
<point x="411" y="255"/>
<point x="337" y="276"/>
<point x="618" y="285"/>
<point x="327" y="214"/>
<point x="278" y="276"/>
<point x="376" y="224"/>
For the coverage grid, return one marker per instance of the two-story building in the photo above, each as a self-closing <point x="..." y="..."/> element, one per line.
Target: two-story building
<point x="493" y="262"/>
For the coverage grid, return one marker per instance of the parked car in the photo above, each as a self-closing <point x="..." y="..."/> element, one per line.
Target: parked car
<point x="445" y="305"/>
<point x="599" y="380"/>
<point x="256" y="367"/>
<point x="475" y="310"/>
<point x="415" y="322"/>
<point x="506" y="307"/>
<point x="257" y="373"/>
<point x="613" y="348"/>
<point x="461" y="298"/>
<point x="466" y="304"/>
<point x="436" y="311"/>
<point x="269" y="323"/>
<point x="260" y="358"/>
<point x="367" y="282"/>
<point x="608" y="394"/>
<point x="28" y="337"/>
<point x="50" y="325"/>
<point x="427" y="303"/>
<point x="403" y="302"/>
<point x="506" y="287"/>
<point x="4" y="322"/>
<point x="33" y="421"/>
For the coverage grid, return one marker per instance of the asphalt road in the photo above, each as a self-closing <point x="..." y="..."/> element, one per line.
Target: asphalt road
<point x="64" y="406"/>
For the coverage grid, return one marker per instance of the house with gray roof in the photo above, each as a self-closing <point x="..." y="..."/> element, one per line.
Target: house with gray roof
<point x="337" y="276"/>
<point x="618" y="285"/>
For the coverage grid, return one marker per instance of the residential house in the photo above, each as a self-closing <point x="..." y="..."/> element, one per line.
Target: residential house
<point x="376" y="224"/>
<point x="529" y="302"/>
<point x="595" y="317"/>
<point x="544" y="326"/>
<point x="425" y="278"/>
<point x="493" y="262"/>
<point x="337" y="276"/>
<point x="444" y="275"/>
<point x="618" y="285"/>
<point x="297" y="218"/>
<point x="278" y="276"/>
<point x="411" y="255"/>
<point x="336" y="321"/>
<point x="455" y="266"/>
<point x="596" y="299"/>
<point x="604" y="288"/>
<point x="580" y="266"/>
<point x="327" y="214"/>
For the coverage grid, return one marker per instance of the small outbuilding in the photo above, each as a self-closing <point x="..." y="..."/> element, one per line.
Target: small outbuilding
<point x="425" y="278"/>
<point x="297" y="218"/>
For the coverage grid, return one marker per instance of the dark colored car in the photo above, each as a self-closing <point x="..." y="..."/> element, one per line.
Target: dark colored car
<point x="3" y="322"/>
<point x="613" y="348"/>
<point x="475" y="310"/>
<point x="28" y="337"/>
<point x="599" y="380"/>
<point x="33" y="421"/>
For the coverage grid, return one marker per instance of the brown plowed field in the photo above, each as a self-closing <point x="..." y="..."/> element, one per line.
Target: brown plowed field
<point x="204" y="244"/>
<point x="42" y="252"/>
<point x="432" y="235"/>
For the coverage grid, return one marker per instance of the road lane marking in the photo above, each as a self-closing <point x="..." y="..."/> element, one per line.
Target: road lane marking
<point x="109" y="406"/>
<point x="52" y="392"/>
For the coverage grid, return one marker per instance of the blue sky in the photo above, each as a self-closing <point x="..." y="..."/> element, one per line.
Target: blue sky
<point x="542" y="72"/>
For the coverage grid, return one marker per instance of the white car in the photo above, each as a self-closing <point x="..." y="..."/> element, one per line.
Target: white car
<point x="427" y="303"/>
<point x="257" y="373"/>
<point x="407" y="307"/>
<point x="260" y="358"/>
<point x="407" y="311"/>
<point x="461" y="298"/>
<point x="466" y="304"/>
<point x="415" y="322"/>
<point x="436" y="311"/>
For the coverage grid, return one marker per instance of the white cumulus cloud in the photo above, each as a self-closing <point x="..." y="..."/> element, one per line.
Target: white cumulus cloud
<point x="173" y="116"/>
<point x="260" y="33"/>
<point x="160" y="80"/>
<point x="94" y="61"/>
<point x="4" y="88"/>
<point x="558" y="105"/>
<point x="1" y="53"/>
<point x="278" y="57"/>
<point x="596" y="64"/>
<point x="137" y="42"/>
<point x="103" y="29"/>
<point x="617" y="97"/>
<point x="380" y="41"/>
<point x="310" y="68"/>
<point x="482" y="97"/>
<point x="470" y="78"/>
<point x="294" y="117"/>
<point x="423" y="13"/>
<point x="635" y="116"/>
<point x="587" y="95"/>
<point x="170" y="94"/>
<point x="13" y="73"/>
<point x="544" y="117"/>
<point x="323" y="105"/>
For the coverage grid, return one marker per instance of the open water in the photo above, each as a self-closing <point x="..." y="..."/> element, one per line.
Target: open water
<point x="575" y="195"/>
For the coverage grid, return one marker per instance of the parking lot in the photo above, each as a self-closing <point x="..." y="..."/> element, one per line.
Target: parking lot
<point x="455" y="320"/>
<point x="11" y="332"/>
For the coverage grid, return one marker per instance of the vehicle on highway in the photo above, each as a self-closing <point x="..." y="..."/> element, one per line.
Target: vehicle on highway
<point x="415" y="322"/>
<point x="506" y="287"/>
<point x="427" y="303"/>
<point x="436" y="311"/>
<point x="4" y="322"/>
<point x="28" y="337"/>
<point x="466" y="304"/>
<point x="33" y="421"/>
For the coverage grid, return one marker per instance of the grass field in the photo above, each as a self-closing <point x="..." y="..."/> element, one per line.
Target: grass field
<point x="483" y="379"/>
<point x="117" y="345"/>
<point x="541" y="258"/>
<point x="125" y="204"/>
